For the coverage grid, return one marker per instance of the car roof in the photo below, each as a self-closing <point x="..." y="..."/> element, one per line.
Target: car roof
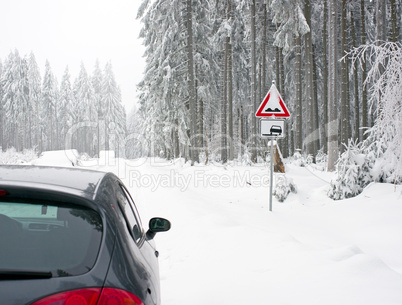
<point x="83" y="180"/>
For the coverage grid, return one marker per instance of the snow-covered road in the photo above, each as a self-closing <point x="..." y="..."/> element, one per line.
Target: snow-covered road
<point x="225" y="247"/>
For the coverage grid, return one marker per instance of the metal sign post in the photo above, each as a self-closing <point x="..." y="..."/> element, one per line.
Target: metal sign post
<point x="272" y="175"/>
<point x="272" y="129"/>
<point x="273" y="107"/>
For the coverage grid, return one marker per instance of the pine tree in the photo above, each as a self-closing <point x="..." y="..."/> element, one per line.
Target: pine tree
<point x="114" y="115"/>
<point x="49" y="111"/>
<point x="15" y="98"/>
<point x="65" y="115"/>
<point x="34" y="80"/>
<point x="97" y="79"/>
<point x="85" y="112"/>
<point x="194" y="154"/>
<point x="292" y="26"/>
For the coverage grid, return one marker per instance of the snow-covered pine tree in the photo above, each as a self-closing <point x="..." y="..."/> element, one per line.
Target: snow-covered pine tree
<point x="167" y="86"/>
<point x="379" y="157"/>
<point x="86" y="112"/>
<point x="290" y="18"/>
<point x="205" y="29"/>
<point x="292" y="25"/>
<point x="49" y="110"/>
<point x="97" y="79"/>
<point x="133" y="147"/>
<point x="15" y="99"/>
<point x="192" y="99"/>
<point x="35" y="80"/>
<point x="121" y="126"/>
<point x="232" y="31"/>
<point x="65" y="115"/>
<point x="385" y="88"/>
<point x="163" y="98"/>
<point x="350" y="179"/>
<point x="114" y="114"/>
<point x="241" y="71"/>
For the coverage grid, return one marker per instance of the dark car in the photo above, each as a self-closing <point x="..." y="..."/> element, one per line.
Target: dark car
<point x="74" y="237"/>
<point x="275" y="130"/>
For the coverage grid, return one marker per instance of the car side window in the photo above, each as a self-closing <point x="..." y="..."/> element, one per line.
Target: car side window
<point x="130" y="213"/>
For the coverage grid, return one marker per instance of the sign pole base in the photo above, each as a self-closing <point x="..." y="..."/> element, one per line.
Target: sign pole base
<point x="272" y="175"/>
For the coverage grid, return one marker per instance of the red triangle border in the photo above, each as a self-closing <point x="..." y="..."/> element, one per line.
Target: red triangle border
<point x="259" y="113"/>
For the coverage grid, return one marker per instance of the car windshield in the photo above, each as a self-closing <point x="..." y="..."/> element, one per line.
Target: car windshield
<point x="46" y="237"/>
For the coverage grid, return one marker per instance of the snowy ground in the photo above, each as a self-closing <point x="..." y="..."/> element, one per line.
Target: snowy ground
<point x="226" y="248"/>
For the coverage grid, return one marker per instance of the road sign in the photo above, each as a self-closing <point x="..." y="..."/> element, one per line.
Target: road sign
<point x="272" y="129"/>
<point x="273" y="105"/>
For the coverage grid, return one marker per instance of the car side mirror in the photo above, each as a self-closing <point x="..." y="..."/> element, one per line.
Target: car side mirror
<point x="157" y="225"/>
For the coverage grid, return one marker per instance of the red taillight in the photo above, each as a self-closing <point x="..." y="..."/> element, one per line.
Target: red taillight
<point x="75" y="297"/>
<point x="111" y="296"/>
<point x="3" y="193"/>
<point x="90" y="296"/>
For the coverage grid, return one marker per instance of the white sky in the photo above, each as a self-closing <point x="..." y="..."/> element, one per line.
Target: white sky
<point x="68" y="32"/>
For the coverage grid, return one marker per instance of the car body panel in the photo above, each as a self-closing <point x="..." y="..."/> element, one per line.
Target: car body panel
<point x="122" y="262"/>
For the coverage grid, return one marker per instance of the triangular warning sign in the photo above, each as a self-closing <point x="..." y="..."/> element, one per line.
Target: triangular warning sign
<point x="273" y="105"/>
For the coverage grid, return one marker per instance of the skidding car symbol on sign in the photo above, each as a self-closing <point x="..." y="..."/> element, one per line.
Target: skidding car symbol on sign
<point x="275" y="130"/>
<point x="272" y="128"/>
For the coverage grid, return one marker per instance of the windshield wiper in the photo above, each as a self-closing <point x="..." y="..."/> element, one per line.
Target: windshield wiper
<point x="23" y="275"/>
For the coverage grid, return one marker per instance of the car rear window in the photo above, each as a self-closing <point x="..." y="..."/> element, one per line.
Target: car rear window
<point x="45" y="236"/>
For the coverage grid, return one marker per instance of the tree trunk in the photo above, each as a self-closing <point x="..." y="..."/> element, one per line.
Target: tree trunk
<point x="381" y="25"/>
<point x="356" y="134"/>
<point x="277" y="69"/>
<point x="285" y="146"/>
<point x="242" y="130"/>
<point x="224" y="152"/>
<point x="364" y="71"/>
<point x="264" y="53"/>
<point x="310" y="137"/>
<point x="315" y="105"/>
<point x="176" y="138"/>
<point x="332" y="101"/>
<point x="191" y="86"/>
<point x="344" y="80"/>
<point x="253" y="83"/>
<point x="230" y="89"/>
<point x="298" y="84"/>
<point x="279" y="167"/>
<point x="325" y="77"/>
<point x="200" y="121"/>
<point x="394" y="31"/>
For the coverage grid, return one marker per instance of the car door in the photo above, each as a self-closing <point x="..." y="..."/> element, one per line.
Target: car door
<point x="147" y="250"/>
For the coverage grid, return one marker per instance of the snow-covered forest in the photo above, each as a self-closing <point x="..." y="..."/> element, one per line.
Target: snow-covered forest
<point x="37" y="112"/>
<point x="209" y="64"/>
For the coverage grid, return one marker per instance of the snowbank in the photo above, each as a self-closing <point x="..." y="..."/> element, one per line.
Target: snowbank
<point x="64" y="158"/>
<point x="12" y="156"/>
